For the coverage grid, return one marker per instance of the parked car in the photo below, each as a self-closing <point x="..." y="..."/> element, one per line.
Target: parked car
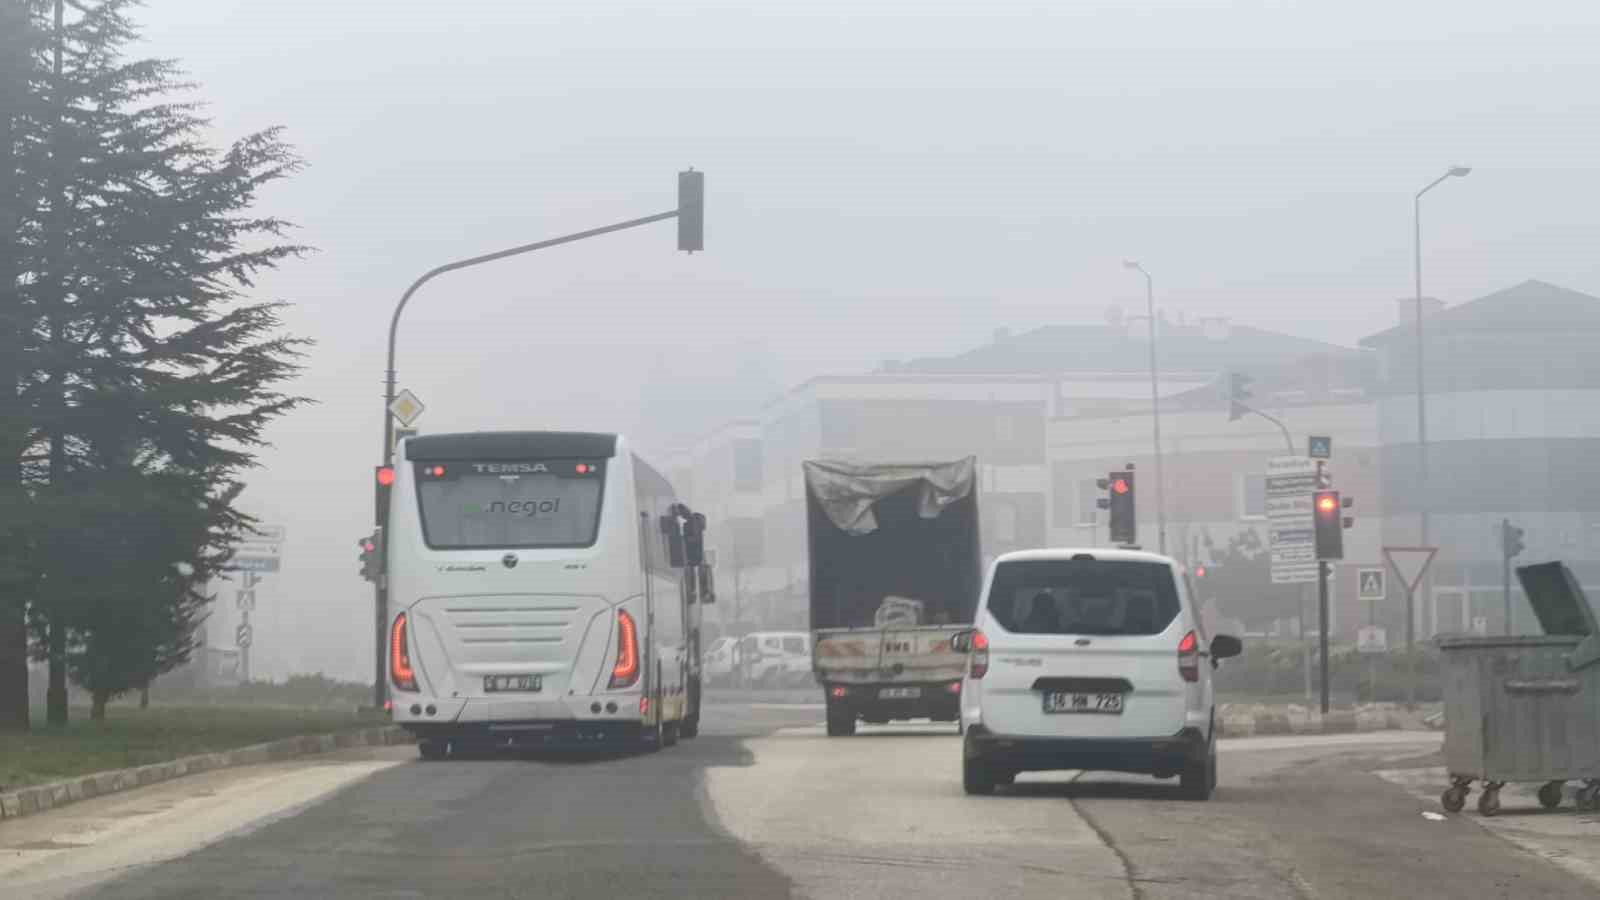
<point x="775" y="659"/>
<point x="716" y="663"/>
<point x="1090" y="659"/>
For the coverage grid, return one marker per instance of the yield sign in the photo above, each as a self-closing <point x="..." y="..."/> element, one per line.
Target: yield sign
<point x="1410" y="564"/>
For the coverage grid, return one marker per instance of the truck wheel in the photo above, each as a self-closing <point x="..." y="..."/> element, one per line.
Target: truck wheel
<point x="841" y="721"/>
<point x="431" y="750"/>
<point x="690" y="727"/>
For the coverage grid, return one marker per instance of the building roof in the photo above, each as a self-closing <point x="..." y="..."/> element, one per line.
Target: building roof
<point x="1529" y="306"/>
<point x="1205" y="347"/>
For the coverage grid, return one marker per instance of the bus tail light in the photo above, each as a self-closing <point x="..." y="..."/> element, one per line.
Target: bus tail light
<point x="625" y="673"/>
<point x="980" y="655"/>
<point x="400" y="671"/>
<point x="1189" y="657"/>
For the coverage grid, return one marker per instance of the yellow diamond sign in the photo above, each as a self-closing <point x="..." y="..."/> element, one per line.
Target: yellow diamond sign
<point x="406" y="408"/>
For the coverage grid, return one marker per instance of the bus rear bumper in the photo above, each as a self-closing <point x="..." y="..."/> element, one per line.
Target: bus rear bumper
<point x="550" y="734"/>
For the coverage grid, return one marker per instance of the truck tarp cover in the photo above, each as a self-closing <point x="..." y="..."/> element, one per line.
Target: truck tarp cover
<point x="882" y="531"/>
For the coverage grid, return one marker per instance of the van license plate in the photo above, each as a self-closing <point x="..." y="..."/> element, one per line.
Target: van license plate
<point x="497" y="684"/>
<point x="1064" y="702"/>
<point x="900" y="693"/>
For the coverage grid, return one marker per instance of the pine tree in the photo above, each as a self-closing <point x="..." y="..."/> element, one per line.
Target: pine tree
<point x="146" y="375"/>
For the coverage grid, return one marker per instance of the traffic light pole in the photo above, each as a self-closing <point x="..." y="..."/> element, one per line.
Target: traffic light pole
<point x="1322" y="621"/>
<point x="693" y="206"/>
<point x="1505" y="569"/>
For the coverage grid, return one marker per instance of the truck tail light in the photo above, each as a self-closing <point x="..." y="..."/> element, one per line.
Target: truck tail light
<point x="979" y="659"/>
<point x="1189" y="657"/>
<point x="625" y="673"/>
<point x="400" y="671"/>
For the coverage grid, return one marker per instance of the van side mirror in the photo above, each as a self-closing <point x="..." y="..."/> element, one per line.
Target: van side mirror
<point x="1226" y="646"/>
<point x="961" y="641"/>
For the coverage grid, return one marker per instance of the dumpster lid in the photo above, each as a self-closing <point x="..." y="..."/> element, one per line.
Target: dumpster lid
<point x="1559" y="602"/>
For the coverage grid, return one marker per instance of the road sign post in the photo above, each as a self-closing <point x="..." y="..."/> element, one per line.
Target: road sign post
<point x="1410" y="564"/>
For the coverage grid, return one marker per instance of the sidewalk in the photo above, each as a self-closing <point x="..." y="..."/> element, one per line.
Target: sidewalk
<point x="1247" y="719"/>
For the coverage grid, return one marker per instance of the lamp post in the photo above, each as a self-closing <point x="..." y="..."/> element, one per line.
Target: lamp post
<point x="1422" y="397"/>
<point x="1155" y="402"/>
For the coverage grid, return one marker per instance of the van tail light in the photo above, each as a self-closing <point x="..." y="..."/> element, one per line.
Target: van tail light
<point x="979" y="658"/>
<point x="1189" y="657"/>
<point x="625" y="673"/>
<point x="400" y="671"/>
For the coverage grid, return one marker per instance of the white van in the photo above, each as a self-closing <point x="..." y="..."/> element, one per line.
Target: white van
<point x="540" y="594"/>
<point x="775" y="659"/>
<point x="1090" y="659"/>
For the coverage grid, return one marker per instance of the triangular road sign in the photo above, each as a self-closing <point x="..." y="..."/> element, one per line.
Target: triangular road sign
<point x="1410" y="564"/>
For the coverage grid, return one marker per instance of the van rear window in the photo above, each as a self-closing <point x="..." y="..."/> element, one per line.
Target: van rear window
<point x="1082" y="596"/>
<point x="495" y="505"/>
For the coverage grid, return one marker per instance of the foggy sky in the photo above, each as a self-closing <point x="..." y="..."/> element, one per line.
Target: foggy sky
<point x="884" y="180"/>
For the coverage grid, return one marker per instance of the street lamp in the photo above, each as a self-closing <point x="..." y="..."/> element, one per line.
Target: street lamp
<point x="1422" y="402"/>
<point x="1155" y="402"/>
<point x="1421" y="394"/>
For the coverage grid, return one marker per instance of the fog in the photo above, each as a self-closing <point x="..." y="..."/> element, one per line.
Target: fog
<point x="884" y="180"/>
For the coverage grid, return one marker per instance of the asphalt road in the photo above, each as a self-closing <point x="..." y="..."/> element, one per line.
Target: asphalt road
<point x="764" y="805"/>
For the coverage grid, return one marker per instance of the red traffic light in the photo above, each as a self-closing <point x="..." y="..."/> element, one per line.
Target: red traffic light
<point x="1327" y="504"/>
<point x="1120" y="486"/>
<point x="1199" y="571"/>
<point x="385" y="476"/>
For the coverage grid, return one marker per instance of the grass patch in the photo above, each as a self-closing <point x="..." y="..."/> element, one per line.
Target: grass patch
<point x="133" y="737"/>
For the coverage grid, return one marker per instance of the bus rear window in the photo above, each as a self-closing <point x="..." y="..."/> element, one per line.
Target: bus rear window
<point x="500" y="504"/>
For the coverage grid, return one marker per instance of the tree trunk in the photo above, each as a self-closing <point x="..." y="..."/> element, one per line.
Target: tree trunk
<point x="97" y="709"/>
<point x="13" y="607"/>
<point x="144" y="697"/>
<point x="55" y="697"/>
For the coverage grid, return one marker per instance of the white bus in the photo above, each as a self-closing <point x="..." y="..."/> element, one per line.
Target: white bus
<point x="544" y="591"/>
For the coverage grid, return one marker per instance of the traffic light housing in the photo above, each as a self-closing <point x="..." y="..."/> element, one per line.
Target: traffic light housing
<point x="371" y="557"/>
<point x="383" y="487"/>
<point x="1328" y="516"/>
<point x="1512" y="538"/>
<point x="1119" y="503"/>
<point x="1238" y="395"/>
<point x="691" y="211"/>
<point x="694" y="539"/>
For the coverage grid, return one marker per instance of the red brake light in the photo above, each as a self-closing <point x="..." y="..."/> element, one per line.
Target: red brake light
<point x="583" y="469"/>
<point x="400" y="671"/>
<point x="437" y="471"/>
<point x="626" y="670"/>
<point x="386" y="476"/>
<point x="839" y="690"/>
<point x="644" y="706"/>
<point x="1189" y="657"/>
<point x="979" y="658"/>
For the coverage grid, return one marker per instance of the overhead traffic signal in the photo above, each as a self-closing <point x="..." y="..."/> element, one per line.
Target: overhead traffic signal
<point x="371" y="557"/>
<point x="1327" y="515"/>
<point x="691" y="211"/>
<point x="1119" y="503"/>
<point x="1511" y="538"/>
<point x="1238" y="395"/>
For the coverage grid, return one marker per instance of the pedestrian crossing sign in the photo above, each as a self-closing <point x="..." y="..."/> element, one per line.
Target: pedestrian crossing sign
<point x="1370" y="584"/>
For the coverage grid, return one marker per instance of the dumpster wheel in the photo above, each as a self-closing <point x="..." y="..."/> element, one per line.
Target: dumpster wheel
<point x="1454" y="798"/>
<point x="1589" y="796"/>
<point x="1489" y="800"/>
<point x="1550" y="794"/>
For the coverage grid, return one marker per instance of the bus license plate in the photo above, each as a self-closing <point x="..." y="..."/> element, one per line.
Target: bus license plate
<point x="496" y="684"/>
<point x="899" y="693"/>
<point x="1064" y="702"/>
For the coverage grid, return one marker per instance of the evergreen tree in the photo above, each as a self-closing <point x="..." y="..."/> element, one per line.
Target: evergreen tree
<point x="146" y="377"/>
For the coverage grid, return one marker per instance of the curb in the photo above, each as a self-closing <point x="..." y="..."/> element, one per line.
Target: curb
<point x="45" y="797"/>
<point x="1335" y="722"/>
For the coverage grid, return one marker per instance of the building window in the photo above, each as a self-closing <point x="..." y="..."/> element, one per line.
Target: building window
<point x="1252" y="494"/>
